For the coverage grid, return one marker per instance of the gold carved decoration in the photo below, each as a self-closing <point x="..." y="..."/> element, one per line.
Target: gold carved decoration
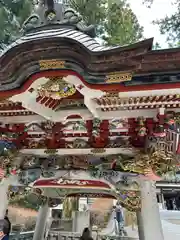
<point x="98" y="150"/>
<point x="51" y="64"/>
<point x="158" y="162"/>
<point x="112" y="95"/>
<point x="56" y="88"/>
<point x="51" y="151"/>
<point x="117" y="77"/>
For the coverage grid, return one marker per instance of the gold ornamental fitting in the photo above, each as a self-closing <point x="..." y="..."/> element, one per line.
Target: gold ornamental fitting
<point x="51" y="64"/>
<point x="56" y="88"/>
<point x="51" y="151"/>
<point x="98" y="150"/>
<point x="117" y="77"/>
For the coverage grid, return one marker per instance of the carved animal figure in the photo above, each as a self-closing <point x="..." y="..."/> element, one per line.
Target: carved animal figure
<point x="29" y="162"/>
<point x="78" y="143"/>
<point x="75" y="126"/>
<point x="32" y="22"/>
<point x="119" y="142"/>
<point x="33" y="144"/>
<point x="118" y="124"/>
<point x="70" y="18"/>
<point x="34" y="127"/>
<point x="79" y="162"/>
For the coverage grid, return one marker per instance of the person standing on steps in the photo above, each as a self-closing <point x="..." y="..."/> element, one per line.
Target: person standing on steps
<point x="120" y="220"/>
<point x="6" y="218"/>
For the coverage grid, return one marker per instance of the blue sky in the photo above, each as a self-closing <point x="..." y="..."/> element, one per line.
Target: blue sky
<point x="159" y="9"/>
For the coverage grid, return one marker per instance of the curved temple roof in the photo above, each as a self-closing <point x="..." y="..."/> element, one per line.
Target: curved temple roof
<point x="57" y="32"/>
<point x="88" y="42"/>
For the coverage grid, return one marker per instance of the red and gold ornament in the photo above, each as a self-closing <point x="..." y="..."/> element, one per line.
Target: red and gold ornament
<point x="141" y="130"/>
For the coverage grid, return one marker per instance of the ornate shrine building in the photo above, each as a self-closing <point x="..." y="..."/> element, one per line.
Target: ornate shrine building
<point x="69" y="103"/>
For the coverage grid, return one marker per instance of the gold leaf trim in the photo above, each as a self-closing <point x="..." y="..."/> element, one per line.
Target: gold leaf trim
<point x="118" y="77"/>
<point x="51" y="151"/>
<point x="98" y="150"/>
<point x="51" y="64"/>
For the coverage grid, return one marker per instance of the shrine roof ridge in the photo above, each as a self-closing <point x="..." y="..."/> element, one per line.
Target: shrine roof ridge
<point x="91" y="44"/>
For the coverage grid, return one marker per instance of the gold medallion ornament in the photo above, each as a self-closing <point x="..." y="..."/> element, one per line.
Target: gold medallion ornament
<point x="56" y="88"/>
<point x="51" y="64"/>
<point x="118" y="77"/>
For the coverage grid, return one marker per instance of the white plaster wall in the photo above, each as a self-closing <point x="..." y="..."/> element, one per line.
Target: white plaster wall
<point x="80" y="221"/>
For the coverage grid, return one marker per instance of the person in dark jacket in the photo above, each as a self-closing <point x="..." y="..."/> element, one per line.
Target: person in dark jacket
<point x="8" y="223"/>
<point x="4" y="229"/>
<point x="86" y="235"/>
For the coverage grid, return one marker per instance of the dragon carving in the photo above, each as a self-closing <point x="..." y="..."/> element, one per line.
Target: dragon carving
<point x="160" y="162"/>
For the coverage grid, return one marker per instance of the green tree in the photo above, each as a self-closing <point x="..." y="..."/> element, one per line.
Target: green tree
<point x="122" y="26"/>
<point x="156" y="46"/>
<point x="169" y="25"/>
<point x="148" y="2"/>
<point x="12" y="14"/>
<point x="115" y="22"/>
<point x="24" y="202"/>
